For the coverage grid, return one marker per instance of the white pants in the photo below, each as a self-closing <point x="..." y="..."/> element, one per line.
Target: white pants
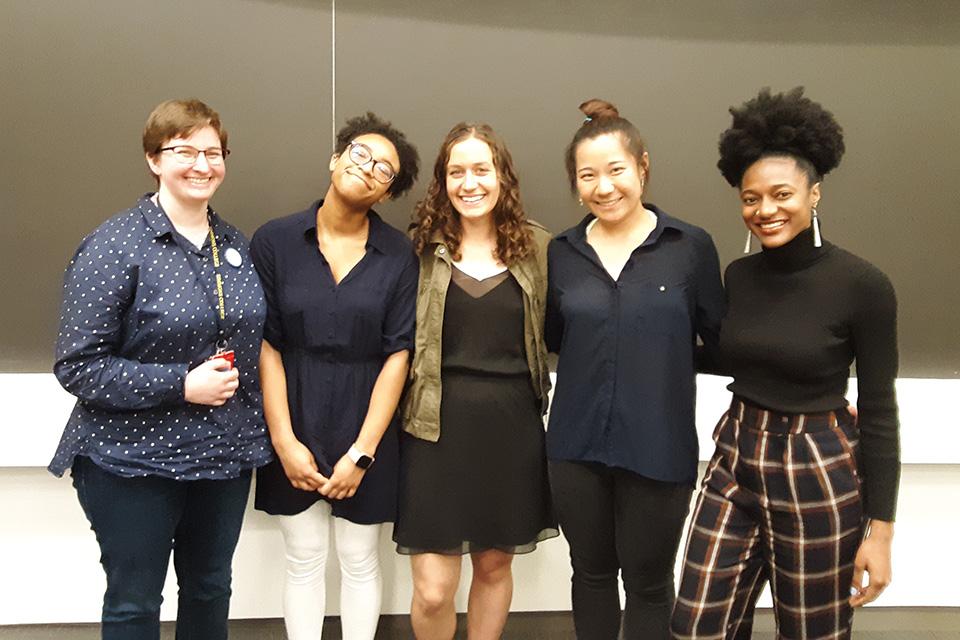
<point x="307" y="539"/>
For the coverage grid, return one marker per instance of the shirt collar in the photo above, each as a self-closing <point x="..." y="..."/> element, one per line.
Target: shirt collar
<point x="157" y="219"/>
<point x="376" y="234"/>
<point x="578" y="233"/>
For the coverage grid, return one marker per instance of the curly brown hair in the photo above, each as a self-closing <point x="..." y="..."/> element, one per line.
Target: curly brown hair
<point x="434" y="213"/>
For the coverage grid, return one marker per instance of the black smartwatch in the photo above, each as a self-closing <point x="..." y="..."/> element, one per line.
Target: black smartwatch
<point x="359" y="458"/>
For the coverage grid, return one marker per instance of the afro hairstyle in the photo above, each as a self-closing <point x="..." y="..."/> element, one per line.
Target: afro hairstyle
<point x="783" y="124"/>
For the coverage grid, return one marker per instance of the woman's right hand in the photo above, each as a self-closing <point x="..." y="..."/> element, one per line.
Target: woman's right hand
<point x="300" y="466"/>
<point x="212" y="382"/>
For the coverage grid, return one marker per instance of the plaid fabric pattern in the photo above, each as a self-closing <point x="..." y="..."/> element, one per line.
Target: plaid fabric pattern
<point x="780" y="502"/>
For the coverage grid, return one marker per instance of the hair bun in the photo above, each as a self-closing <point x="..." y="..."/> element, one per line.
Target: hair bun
<point x="595" y="109"/>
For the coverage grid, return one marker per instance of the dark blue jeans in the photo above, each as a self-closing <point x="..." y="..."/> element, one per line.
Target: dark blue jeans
<point x="138" y="521"/>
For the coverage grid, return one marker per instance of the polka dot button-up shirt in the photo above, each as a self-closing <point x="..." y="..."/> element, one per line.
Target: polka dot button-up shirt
<point x="140" y="311"/>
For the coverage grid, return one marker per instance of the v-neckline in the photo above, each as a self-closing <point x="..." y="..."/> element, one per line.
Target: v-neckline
<point x="350" y="271"/>
<point x="487" y="285"/>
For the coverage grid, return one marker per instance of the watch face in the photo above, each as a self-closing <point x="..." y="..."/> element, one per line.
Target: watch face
<point x="364" y="462"/>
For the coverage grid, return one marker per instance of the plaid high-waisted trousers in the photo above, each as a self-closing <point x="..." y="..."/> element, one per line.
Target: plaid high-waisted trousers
<point x="780" y="501"/>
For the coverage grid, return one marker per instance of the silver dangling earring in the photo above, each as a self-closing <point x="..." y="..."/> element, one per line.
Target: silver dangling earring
<point x="817" y="242"/>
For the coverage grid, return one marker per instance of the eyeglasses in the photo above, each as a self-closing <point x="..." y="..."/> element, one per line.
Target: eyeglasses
<point x="361" y="155"/>
<point x="185" y="154"/>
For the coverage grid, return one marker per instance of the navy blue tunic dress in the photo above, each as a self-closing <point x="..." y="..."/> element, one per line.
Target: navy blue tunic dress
<point x="334" y="339"/>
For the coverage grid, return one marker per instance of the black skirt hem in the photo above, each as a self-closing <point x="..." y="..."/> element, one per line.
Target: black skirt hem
<point x="470" y="546"/>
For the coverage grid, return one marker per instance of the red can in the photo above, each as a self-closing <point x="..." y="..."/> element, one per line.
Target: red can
<point x="224" y="355"/>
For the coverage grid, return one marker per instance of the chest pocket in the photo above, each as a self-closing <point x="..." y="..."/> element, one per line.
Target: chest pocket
<point x="662" y="307"/>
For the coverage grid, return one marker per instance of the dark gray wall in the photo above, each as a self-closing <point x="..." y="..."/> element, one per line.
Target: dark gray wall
<point x="79" y="79"/>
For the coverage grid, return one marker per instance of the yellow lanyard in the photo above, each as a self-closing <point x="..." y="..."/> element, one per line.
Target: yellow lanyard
<point x="221" y="305"/>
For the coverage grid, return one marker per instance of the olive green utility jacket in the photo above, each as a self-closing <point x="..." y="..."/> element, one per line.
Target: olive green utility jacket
<point x="421" y="404"/>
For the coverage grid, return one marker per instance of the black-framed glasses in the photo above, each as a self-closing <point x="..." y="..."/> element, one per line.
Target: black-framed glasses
<point x="185" y="154"/>
<point x="361" y="155"/>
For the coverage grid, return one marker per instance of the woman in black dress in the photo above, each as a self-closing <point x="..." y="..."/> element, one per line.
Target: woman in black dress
<point x="340" y="286"/>
<point x="473" y="471"/>
<point x="797" y="493"/>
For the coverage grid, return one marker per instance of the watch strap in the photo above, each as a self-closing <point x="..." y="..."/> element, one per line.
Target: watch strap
<point x="359" y="458"/>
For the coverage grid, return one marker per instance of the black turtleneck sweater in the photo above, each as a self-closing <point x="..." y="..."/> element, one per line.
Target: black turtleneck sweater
<point x="797" y="317"/>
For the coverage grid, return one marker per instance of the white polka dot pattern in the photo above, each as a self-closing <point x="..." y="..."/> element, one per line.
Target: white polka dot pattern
<point x="139" y="311"/>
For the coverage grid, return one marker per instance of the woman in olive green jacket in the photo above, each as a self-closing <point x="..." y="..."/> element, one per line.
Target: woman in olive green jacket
<point x="473" y="470"/>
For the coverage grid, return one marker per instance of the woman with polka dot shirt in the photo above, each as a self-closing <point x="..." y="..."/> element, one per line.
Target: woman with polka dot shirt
<point x="341" y="288"/>
<point x="159" y="339"/>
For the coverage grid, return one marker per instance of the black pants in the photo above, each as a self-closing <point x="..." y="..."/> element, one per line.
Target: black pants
<point x="619" y="522"/>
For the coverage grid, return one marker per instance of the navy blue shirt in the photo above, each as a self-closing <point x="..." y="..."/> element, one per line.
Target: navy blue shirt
<point x="139" y="311"/>
<point x="333" y="339"/>
<point x="626" y="388"/>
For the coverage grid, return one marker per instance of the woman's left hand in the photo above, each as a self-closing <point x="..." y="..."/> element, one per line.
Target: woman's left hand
<point x="344" y="480"/>
<point x="873" y="558"/>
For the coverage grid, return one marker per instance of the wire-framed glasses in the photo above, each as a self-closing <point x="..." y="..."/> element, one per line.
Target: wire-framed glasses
<point x="185" y="154"/>
<point x="361" y="155"/>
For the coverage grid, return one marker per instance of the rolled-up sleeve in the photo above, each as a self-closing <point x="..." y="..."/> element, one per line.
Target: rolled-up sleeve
<point x="262" y="253"/>
<point x="400" y="318"/>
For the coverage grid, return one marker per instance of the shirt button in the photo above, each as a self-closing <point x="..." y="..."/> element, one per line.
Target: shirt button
<point x="662" y="288"/>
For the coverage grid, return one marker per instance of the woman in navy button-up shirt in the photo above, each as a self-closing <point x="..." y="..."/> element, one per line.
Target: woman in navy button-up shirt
<point x="163" y="436"/>
<point x="630" y="290"/>
<point x="341" y="290"/>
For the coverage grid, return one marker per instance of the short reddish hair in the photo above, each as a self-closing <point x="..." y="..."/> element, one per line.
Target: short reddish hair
<point x="178" y="118"/>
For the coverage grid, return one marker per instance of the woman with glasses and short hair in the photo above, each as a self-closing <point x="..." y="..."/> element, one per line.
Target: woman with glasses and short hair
<point x="159" y="337"/>
<point x="341" y="286"/>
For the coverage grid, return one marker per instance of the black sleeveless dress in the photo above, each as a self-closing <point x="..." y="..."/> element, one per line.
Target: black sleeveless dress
<point x="483" y="485"/>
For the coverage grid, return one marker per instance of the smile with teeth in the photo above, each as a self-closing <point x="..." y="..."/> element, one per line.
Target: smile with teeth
<point x="199" y="181"/>
<point x="607" y="203"/>
<point x="771" y="225"/>
<point x="473" y="199"/>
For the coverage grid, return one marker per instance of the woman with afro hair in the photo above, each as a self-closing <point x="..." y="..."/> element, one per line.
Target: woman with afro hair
<point x="799" y="492"/>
